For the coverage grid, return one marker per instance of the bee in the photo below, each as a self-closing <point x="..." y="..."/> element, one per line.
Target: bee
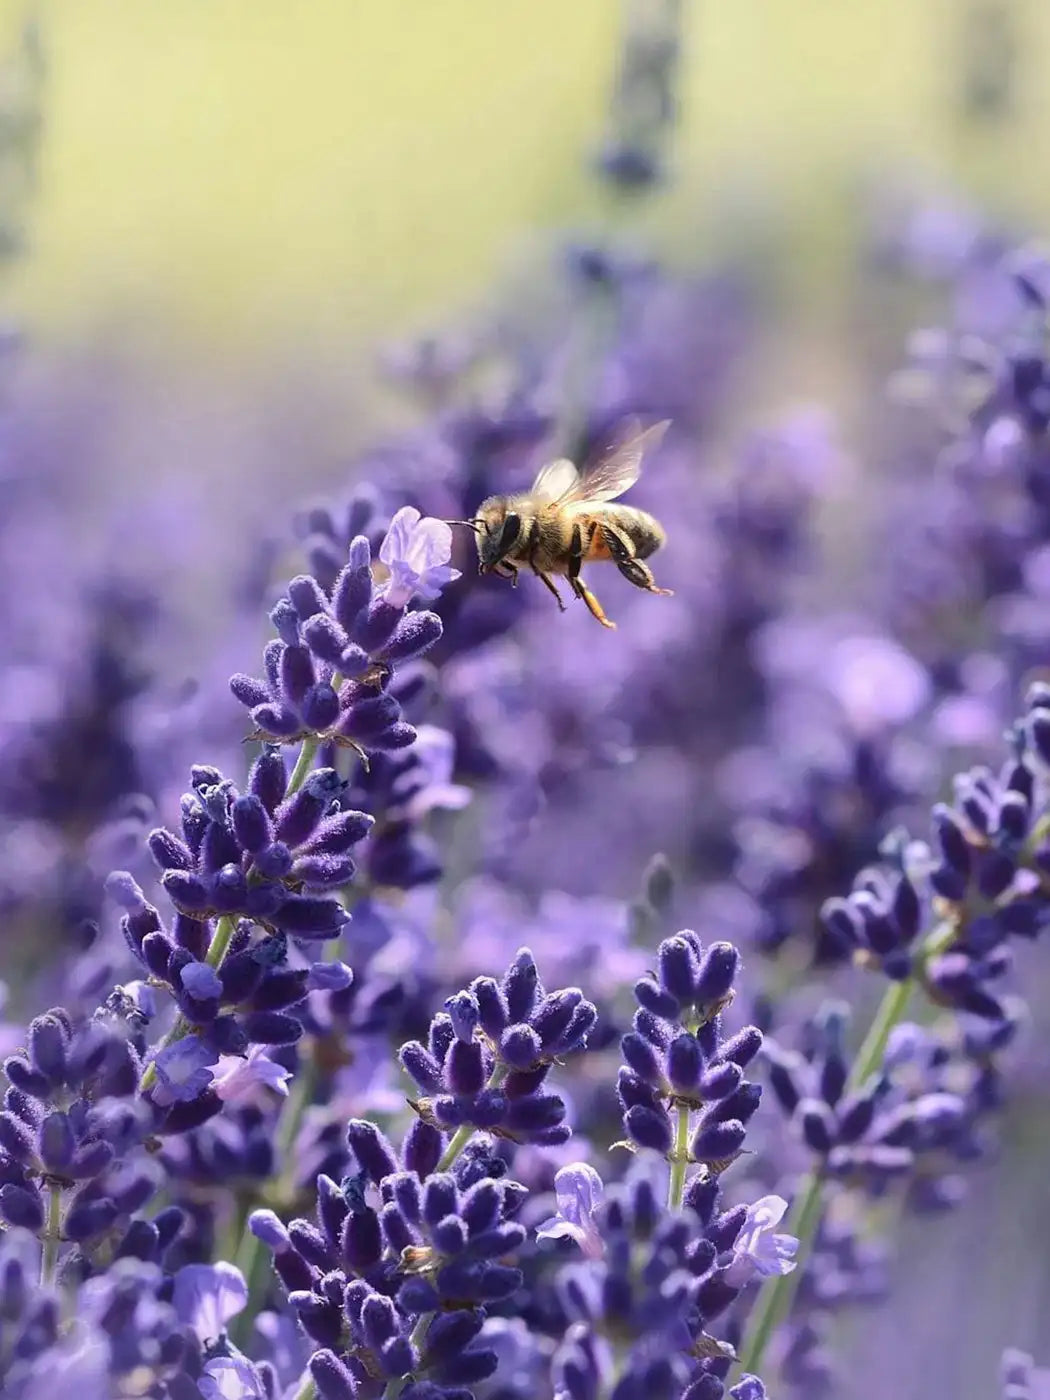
<point x="566" y="520"/>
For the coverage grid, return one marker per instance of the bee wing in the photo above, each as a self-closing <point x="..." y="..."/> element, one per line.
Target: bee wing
<point x="613" y="474"/>
<point x="556" y="480"/>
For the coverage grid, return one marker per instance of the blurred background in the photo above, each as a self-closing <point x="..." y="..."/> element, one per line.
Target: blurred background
<point x="224" y="227"/>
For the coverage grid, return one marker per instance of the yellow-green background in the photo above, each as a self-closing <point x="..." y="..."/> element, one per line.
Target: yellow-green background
<point x="230" y="174"/>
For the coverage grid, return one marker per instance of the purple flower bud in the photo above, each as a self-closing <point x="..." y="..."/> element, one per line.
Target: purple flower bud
<point x="415" y="634"/>
<point x="305" y="916"/>
<point x="642" y="1058"/>
<point x="553" y="1014"/>
<point x="679" y="968"/>
<point x="718" y="968"/>
<point x="353" y="588"/>
<point x="464" y="1014"/>
<point x="649" y="1128"/>
<point x="200" y="981"/>
<point x="818" y="1125"/>
<point x="251" y="823"/>
<point x="57" y="1142"/>
<point x="520" y="1047"/>
<point x="521" y="986"/>
<point x="187" y="892"/>
<point x="272" y="1028"/>
<point x="376" y="626"/>
<point x="306" y="596"/>
<point x="329" y="977"/>
<point x="48" y="1042"/>
<point x="465" y="1067"/>
<point x="372" y="1151"/>
<point x="326" y="639"/>
<point x="716" y="1141"/>
<point x="337" y="834"/>
<point x="422" y="1149"/>
<point x="654" y="999"/>
<point x="720" y="1081"/>
<point x="88" y="1217"/>
<point x="21" y="1207"/>
<point x="742" y="1048"/>
<point x="319" y="707"/>
<point x="250" y="692"/>
<point x="16" y="1138"/>
<point x="332" y="1379"/>
<point x="265" y="1226"/>
<point x="492" y="1006"/>
<point x="268" y="779"/>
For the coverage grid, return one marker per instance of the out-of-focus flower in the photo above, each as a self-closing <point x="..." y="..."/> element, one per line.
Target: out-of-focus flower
<point x="206" y="1296"/>
<point x="183" y="1071"/>
<point x="579" y="1191"/>
<point x="231" y="1378"/>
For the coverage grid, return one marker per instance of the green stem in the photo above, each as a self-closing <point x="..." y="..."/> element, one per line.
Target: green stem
<point x="303" y="764"/>
<point x="777" y="1295"/>
<point x="680" y="1160"/>
<point x="775" y="1299"/>
<point x="181" y="1027"/>
<point x="52" y="1237"/>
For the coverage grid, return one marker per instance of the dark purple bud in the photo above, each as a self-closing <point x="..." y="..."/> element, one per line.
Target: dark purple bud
<point x="25" y="1078"/>
<point x="268" y="779"/>
<point x="685" y="1064"/>
<point x="240" y="974"/>
<point x="326" y="639"/>
<point x="306" y="596"/>
<point x="90" y="1160"/>
<point x="520" y="1047"/>
<point x="422" y="1149"/>
<point x="168" y="852"/>
<point x="784" y="1077"/>
<point x="534" y="1113"/>
<point x="718" y="968"/>
<point x="492" y="1006"/>
<point x="716" y="1141"/>
<point x="574" y="1036"/>
<point x="369" y="719"/>
<point x="48" y="1043"/>
<point x="855" y="1116"/>
<point x="554" y="1013"/>
<point x="421" y="1065"/>
<point x="272" y="1028"/>
<point x="649" y="1128"/>
<point x="679" y="967"/>
<point x="353" y="588"/>
<point x="319" y="707"/>
<point x="188" y="893"/>
<point x="274" y="862"/>
<point x="276" y="720"/>
<point x="333" y="1380"/>
<point x="952" y="839"/>
<point x="89" y="1217"/>
<point x="251" y="823"/>
<point x="742" y="1048"/>
<point x="1039" y="733"/>
<point x="833" y="1075"/>
<point x="449" y="1235"/>
<point x="338" y="834"/>
<point x="323" y="871"/>
<point x="818" y="1125"/>
<point x="361" y="1245"/>
<point x="307" y="1240"/>
<point x="371" y="1149"/>
<point x="720" y="1081"/>
<point x="463" y="1012"/>
<point x="157" y="953"/>
<point x="57" y="1142"/>
<point x="654" y="999"/>
<point x="641" y="1057"/>
<point x="21" y="1207"/>
<point x="309" y="916"/>
<point x="465" y="1068"/>
<point x="377" y="625"/>
<point x="439" y="1198"/>
<point x="250" y="692"/>
<point x="298" y="817"/>
<point x="521" y="986"/>
<point x="415" y="633"/>
<point x="16" y="1138"/>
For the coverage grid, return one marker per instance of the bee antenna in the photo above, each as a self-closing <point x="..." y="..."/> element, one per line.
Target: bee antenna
<point x="474" y="525"/>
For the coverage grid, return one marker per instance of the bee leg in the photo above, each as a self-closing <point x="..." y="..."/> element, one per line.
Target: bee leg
<point x="593" y="606"/>
<point x="506" y="569"/>
<point x="551" y="585"/>
<point x="577" y="584"/>
<point x="633" y="570"/>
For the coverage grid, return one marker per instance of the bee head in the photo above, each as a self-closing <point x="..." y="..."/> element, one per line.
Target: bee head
<point x="498" y="528"/>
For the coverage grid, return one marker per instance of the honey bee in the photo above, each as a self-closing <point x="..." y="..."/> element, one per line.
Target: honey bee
<point x="566" y="520"/>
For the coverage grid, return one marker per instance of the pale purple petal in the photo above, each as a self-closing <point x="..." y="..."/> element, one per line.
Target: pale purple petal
<point x="397" y="542"/>
<point x="201" y="981"/>
<point x="183" y="1072"/>
<point x="230" y="1378"/>
<point x="758" y="1250"/>
<point x="206" y="1296"/>
<point x="237" y="1079"/>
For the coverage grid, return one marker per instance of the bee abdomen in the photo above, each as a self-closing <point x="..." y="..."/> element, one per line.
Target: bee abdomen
<point x="643" y="530"/>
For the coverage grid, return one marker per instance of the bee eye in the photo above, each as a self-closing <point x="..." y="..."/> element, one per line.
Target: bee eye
<point x="511" y="530"/>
